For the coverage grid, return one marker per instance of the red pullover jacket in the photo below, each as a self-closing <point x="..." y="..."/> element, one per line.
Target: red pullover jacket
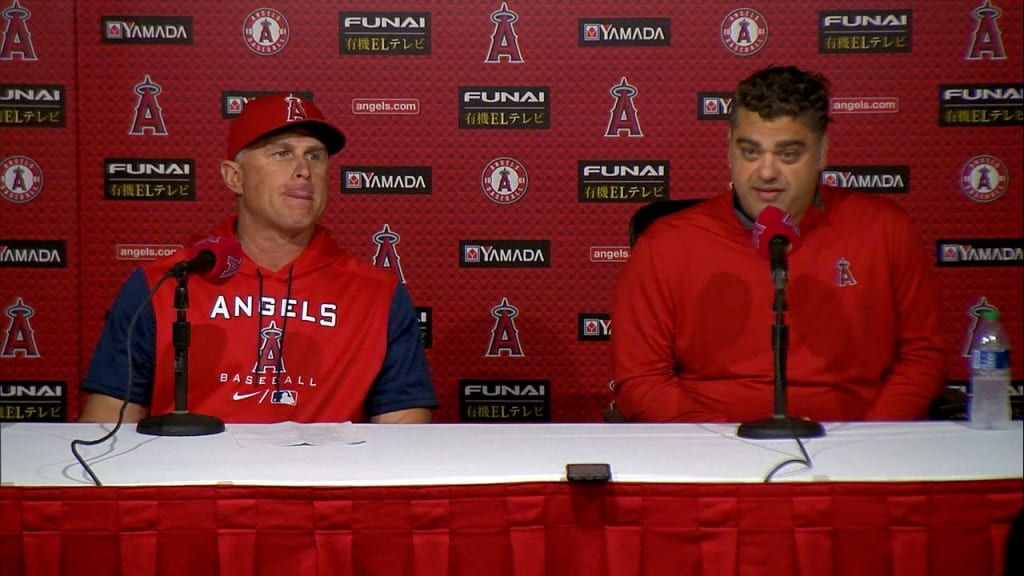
<point x="693" y="313"/>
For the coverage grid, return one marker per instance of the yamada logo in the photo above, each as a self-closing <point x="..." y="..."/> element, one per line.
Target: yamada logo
<point x="386" y="179"/>
<point x="505" y="253"/>
<point x="625" y="32"/>
<point x="981" y="252"/>
<point x="33" y="254"/>
<point x="147" y="29"/>
<point x="878" y="179"/>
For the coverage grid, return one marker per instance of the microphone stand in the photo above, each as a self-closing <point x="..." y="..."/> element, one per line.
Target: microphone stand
<point x="780" y="425"/>
<point x="181" y="422"/>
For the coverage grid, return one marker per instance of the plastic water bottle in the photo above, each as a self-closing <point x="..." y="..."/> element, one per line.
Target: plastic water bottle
<point x="989" y="403"/>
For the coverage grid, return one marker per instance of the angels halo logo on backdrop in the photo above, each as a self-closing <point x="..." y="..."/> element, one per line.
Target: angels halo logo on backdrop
<point x="265" y="31"/>
<point x="21" y="179"/>
<point x="984" y="178"/>
<point x="504" y="180"/>
<point x="744" y="31"/>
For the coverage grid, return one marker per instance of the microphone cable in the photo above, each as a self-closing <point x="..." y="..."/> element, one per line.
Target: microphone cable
<point x="124" y="405"/>
<point x="805" y="460"/>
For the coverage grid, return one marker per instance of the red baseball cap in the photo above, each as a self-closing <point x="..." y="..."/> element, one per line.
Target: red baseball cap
<point x="273" y="112"/>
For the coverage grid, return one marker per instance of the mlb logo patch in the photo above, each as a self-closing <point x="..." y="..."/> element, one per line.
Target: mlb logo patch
<point x="287" y="397"/>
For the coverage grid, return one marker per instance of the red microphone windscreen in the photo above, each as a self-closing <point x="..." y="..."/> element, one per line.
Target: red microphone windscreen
<point x="227" y="257"/>
<point x="772" y="222"/>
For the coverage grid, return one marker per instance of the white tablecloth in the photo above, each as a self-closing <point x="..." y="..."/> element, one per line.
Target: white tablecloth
<point x="447" y="454"/>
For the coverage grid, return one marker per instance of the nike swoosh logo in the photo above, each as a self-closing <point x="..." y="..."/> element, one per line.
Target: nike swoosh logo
<point x="240" y="396"/>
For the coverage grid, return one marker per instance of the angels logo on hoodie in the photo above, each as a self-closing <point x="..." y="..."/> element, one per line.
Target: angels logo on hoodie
<point x="270" y="358"/>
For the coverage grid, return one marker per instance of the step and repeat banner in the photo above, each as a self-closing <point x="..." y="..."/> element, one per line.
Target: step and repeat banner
<point x="496" y="150"/>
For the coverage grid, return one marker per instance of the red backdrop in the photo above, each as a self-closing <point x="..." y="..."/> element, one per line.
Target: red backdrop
<point x="113" y="118"/>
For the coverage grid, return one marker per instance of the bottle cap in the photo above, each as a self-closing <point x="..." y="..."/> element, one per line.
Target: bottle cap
<point x="990" y="314"/>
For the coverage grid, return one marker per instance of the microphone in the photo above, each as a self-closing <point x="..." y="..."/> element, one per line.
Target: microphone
<point x="774" y="235"/>
<point x="214" y="259"/>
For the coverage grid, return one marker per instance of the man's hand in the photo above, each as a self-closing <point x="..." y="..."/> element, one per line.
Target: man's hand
<point x="103" y="408"/>
<point x="409" y="416"/>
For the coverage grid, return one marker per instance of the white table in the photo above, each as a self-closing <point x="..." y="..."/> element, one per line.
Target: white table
<point x="933" y="498"/>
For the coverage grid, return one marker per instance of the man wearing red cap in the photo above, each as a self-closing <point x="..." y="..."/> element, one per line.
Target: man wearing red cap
<point x="303" y="331"/>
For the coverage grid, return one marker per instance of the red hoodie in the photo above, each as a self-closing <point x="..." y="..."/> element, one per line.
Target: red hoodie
<point x="303" y="343"/>
<point x="693" y="312"/>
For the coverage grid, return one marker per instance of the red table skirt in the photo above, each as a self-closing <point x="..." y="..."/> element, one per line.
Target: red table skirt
<point x="616" y="529"/>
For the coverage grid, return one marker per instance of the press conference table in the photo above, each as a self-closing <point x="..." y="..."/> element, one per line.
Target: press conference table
<point x="925" y="498"/>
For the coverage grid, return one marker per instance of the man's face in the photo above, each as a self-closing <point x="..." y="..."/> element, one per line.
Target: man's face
<point x="284" y="182"/>
<point x="775" y="162"/>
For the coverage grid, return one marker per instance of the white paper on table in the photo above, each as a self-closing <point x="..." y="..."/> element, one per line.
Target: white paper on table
<point x="297" y="434"/>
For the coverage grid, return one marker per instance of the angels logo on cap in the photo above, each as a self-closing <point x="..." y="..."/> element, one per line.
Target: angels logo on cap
<point x="274" y="112"/>
<point x="295" y="111"/>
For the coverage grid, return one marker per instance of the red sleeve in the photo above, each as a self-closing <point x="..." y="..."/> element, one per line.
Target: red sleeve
<point x="643" y="338"/>
<point x="919" y="371"/>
